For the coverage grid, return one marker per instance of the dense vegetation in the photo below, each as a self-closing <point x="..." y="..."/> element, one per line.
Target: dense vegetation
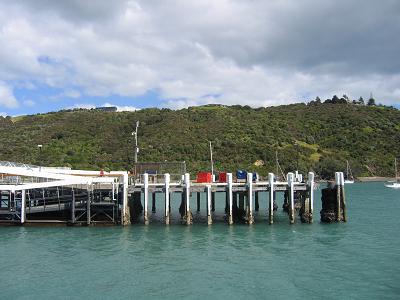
<point x="318" y="136"/>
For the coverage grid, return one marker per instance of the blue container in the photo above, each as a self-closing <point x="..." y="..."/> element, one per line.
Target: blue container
<point x="241" y="174"/>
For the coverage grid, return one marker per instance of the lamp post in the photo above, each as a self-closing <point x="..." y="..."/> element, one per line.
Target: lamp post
<point x="136" y="151"/>
<point x="40" y="146"/>
<point x="211" y="160"/>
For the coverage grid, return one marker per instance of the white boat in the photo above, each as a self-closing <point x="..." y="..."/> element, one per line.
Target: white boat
<point x="349" y="176"/>
<point x="396" y="183"/>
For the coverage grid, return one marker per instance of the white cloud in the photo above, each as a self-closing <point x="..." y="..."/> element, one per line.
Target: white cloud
<point x="121" y="108"/>
<point x="29" y="103"/>
<point x="82" y="105"/>
<point x="7" y="98"/>
<point x="245" y="52"/>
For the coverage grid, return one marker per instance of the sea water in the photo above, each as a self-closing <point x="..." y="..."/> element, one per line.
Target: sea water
<point x="359" y="259"/>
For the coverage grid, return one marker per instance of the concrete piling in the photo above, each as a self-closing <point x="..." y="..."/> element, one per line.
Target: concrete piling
<point x="23" y="206"/>
<point x="249" y="208"/>
<point x="188" y="213"/>
<point x="146" y="198"/>
<point x="230" y="197"/>
<point x="271" y="198"/>
<point x="208" y="196"/>
<point x="290" y="177"/>
<point x="167" y="198"/>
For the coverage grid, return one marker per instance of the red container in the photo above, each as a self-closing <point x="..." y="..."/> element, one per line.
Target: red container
<point x="222" y="177"/>
<point x="203" y="177"/>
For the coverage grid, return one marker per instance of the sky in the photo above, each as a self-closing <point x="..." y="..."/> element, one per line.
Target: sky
<point x="177" y="53"/>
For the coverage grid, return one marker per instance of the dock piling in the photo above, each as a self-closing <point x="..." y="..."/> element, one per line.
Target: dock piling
<point x="311" y="194"/>
<point x="153" y="202"/>
<point x="23" y="207"/>
<point x="256" y="202"/>
<point x="230" y="197"/>
<point x="271" y="198"/>
<point x="146" y="198"/>
<point x="88" y="213"/>
<point x="343" y="197"/>
<point x="249" y="208"/>
<point x="73" y="220"/>
<point x="188" y="213"/>
<point x="198" y="202"/>
<point x="290" y="177"/>
<point x="338" y="196"/>
<point x="209" y="214"/>
<point x="167" y="198"/>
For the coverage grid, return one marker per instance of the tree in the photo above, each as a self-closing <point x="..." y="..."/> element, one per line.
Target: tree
<point x="371" y="101"/>
<point x="318" y="100"/>
<point x="335" y="99"/>
<point x="361" y="100"/>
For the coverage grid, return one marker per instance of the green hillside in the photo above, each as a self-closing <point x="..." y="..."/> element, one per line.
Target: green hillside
<point x="316" y="137"/>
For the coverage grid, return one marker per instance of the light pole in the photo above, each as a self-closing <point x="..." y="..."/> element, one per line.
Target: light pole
<point x="135" y="133"/>
<point x="212" y="162"/>
<point x="40" y="146"/>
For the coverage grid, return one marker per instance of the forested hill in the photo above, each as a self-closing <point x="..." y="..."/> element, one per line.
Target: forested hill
<point x="316" y="137"/>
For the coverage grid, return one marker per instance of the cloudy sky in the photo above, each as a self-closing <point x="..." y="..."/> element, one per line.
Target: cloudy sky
<point x="178" y="53"/>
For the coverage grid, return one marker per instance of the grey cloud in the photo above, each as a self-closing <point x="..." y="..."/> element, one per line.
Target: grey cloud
<point x="255" y="52"/>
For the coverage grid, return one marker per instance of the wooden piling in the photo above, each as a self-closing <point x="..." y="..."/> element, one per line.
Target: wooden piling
<point x="213" y="201"/>
<point x="167" y="198"/>
<point x="145" y="198"/>
<point x="230" y="197"/>
<point x="249" y="208"/>
<point x="209" y="197"/>
<point x="271" y="198"/>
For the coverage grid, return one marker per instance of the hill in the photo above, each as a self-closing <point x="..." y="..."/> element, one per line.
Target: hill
<point x="316" y="137"/>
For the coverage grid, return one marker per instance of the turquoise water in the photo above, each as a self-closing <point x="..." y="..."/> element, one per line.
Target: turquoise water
<point x="356" y="260"/>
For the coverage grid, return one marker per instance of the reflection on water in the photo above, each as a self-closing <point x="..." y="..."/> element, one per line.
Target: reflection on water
<point x="358" y="260"/>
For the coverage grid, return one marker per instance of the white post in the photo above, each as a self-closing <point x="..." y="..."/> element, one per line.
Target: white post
<point x="338" y="193"/>
<point x="209" y="216"/>
<point x="23" y="206"/>
<point x="146" y="197"/>
<point x="230" y="197"/>
<point x="187" y="194"/>
<point x="167" y="181"/>
<point x="311" y="189"/>
<point x="126" y="218"/>
<point x="290" y="177"/>
<point x="271" y="197"/>
<point x="343" y="196"/>
<point x="250" y="218"/>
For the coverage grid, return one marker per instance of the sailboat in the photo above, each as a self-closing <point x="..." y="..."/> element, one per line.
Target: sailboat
<point x="396" y="183"/>
<point x="349" y="176"/>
